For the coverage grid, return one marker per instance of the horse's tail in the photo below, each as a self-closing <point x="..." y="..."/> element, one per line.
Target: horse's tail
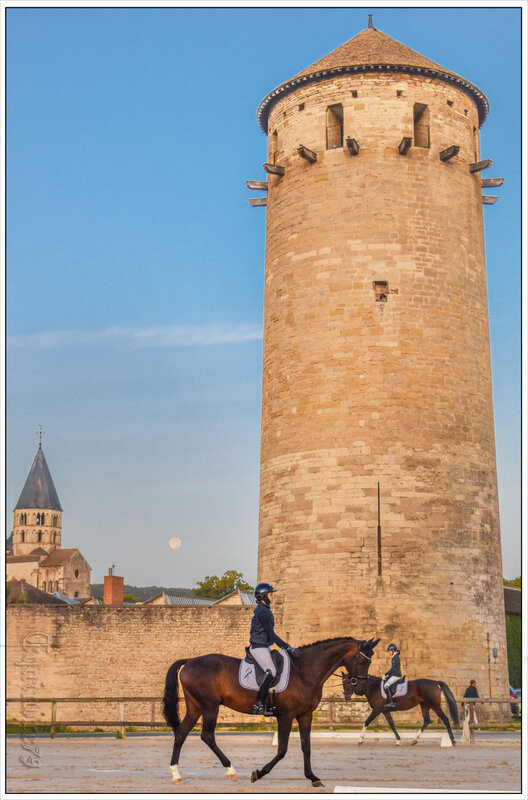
<point x="170" y="697"/>
<point x="451" y="702"/>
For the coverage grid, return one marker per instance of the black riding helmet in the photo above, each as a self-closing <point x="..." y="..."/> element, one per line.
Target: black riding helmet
<point x="393" y="647"/>
<point x="262" y="590"/>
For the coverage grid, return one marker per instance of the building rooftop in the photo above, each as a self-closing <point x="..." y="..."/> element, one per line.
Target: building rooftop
<point x="58" y="557"/>
<point x="512" y="600"/>
<point x="34" y="595"/>
<point x="39" y="490"/>
<point x="21" y="559"/>
<point x="369" y="51"/>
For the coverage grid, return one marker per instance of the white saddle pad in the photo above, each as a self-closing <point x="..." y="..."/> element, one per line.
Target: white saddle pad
<point x="401" y="689"/>
<point x="246" y="675"/>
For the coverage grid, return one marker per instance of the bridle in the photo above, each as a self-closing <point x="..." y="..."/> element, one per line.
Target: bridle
<point x="353" y="679"/>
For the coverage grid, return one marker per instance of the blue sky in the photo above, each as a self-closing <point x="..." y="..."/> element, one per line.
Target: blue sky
<point x="135" y="264"/>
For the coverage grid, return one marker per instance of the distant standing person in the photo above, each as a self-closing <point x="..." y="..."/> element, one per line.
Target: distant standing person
<point x="469" y="708"/>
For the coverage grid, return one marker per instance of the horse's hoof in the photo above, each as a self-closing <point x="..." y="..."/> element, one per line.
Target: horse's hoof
<point x="317" y="783"/>
<point x="414" y="741"/>
<point x="254" y="776"/>
<point x="231" y="774"/>
<point x="176" y="780"/>
<point x="398" y="741"/>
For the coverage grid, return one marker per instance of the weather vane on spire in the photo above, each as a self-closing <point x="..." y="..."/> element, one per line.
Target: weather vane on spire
<point x="370" y="21"/>
<point x="40" y="433"/>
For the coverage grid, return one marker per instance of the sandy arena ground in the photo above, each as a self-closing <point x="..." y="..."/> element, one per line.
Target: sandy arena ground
<point x="140" y="764"/>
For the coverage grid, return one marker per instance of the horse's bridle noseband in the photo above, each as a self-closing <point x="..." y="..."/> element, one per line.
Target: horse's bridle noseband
<point x="353" y="679"/>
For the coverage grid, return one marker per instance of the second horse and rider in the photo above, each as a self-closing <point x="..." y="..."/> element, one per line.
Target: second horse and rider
<point x="262" y="636"/>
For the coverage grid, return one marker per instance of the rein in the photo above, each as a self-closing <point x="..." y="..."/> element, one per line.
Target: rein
<point x="352" y="679"/>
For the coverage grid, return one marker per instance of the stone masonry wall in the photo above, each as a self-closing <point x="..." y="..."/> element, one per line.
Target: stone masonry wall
<point x="357" y="392"/>
<point x="112" y="651"/>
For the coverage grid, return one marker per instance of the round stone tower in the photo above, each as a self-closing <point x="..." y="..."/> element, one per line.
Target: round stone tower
<point x="378" y="507"/>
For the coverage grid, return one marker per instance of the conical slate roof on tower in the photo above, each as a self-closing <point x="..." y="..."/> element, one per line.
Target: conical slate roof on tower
<point x="371" y="51"/>
<point x="39" y="490"/>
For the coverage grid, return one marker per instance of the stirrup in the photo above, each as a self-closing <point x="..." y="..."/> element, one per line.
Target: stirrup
<point x="259" y="708"/>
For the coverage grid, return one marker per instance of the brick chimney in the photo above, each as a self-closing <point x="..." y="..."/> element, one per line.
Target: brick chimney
<point x="113" y="589"/>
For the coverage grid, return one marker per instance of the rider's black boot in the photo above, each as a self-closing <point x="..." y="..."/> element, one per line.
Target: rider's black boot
<point x="260" y="705"/>
<point x="390" y="700"/>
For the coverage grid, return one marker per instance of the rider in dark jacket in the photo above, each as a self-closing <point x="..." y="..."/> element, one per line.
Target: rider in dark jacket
<point x="392" y="675"/>
<point x="261" y="637"/>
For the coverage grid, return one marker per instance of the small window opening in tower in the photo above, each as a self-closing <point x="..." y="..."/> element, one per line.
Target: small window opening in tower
<point x="450" y="103"/>
<point x="273" y="146"/>
<point x="421" y="125"/>
<point x="22" y="536"/>
<point x="466" y="112"/>
<point x="23" y="519"/>
<point x="476" y="143"/>
<point x="301" y="106"/>
<point x="381" y="290"/>
<point x="399" y="92"/>
<point x="76" y="594"/>
<point x="76" y="573"/>
<point x="354" y="92"/>
<point x="39" y="537"/>
<point x="334" y="126"/>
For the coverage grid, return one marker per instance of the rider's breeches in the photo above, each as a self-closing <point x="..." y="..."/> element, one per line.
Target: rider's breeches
<point x="391" y="680"/>
<point x="263" y="658"/>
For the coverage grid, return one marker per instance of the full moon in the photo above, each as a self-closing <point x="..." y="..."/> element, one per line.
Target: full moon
<point x="175" y="543"/>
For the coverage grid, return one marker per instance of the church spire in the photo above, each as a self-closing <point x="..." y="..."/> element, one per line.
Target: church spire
<point x="39" y="490"/>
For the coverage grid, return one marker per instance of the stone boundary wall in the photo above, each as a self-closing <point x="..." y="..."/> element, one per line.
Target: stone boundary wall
<point x="110" y="651"/>
<point x="113" y="651"/>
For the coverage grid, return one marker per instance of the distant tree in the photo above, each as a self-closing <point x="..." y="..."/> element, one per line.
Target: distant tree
<point x="516" y="582"/>
<point x="130" y="598"/>
<point x="215" y="587"/>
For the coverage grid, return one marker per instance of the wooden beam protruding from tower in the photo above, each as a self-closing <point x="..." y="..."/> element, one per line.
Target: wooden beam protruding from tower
<point x="480" y="165"/>
<point x="306" y="153"/>
<point x="353" y="146"/>
<point x="274" y="169"/>
<point x="488" y="182"/>
<point x="258" y="201"/>
<point x="449" y="152"/>
<point x="405" y="145"/>
<point x="488" y="199"/>
<point x="258" y="185"/>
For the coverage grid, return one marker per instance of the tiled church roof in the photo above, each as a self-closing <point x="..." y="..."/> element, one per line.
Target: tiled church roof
<point x="58" y="557"/>
<point x="39" y="490"/>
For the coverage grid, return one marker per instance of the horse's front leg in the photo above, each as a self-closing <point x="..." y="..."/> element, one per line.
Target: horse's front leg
<point x="284" y="724"/>
<point x="305" y="725"/>
<point x="373" y="714"/>
<point x="392" y="726"/>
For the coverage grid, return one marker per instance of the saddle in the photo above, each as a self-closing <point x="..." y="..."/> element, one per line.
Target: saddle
<point x="402" y="686"/>
<point x="277" y="659"/>
<point x="250" y="674"/>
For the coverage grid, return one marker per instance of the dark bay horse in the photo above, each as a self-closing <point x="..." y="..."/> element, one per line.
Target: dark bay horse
<point x="212" y="680"/>
<point x="423" y="692"/>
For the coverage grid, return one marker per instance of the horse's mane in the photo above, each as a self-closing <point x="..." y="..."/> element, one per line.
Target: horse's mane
<point x="327" y="641"/>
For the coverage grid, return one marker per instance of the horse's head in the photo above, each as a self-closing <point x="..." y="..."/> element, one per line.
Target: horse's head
<point x="357" y="668"/>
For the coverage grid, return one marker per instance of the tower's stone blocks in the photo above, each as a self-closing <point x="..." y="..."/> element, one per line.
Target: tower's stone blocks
<point x="377" y="369"/>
